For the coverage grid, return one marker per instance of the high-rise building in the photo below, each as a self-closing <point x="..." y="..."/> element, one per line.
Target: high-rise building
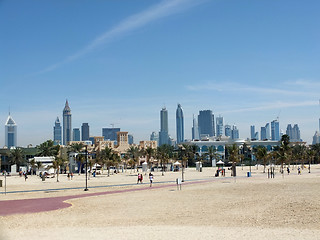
<point x="293" y="133"/>
<point x="275" y="130"/>
<point x="219" y="126"/>
<point x="76" y="134"/>
<point x="154" y="137"/>
<point x="57" y="132"/>
<point x="67" y="126"/>
<point x="195" y="129"/>
<point x="206" y="123"/>
<point x="227" y="130"/>
<point x="252" y="132"/>
<point x="267" y="131"/>
<point x="256" y="136"/>
<point x="164" y="128"/>
<point x="85" y="132"/>
<point x="180" y="125"/>
<point x="130" y="139"/>
<point x="11" y="132"/>
<point x="263" y="133"/>
<point x="234" y="133"/>
<point x="110" y="133"/>
<point x="316" y="138"/>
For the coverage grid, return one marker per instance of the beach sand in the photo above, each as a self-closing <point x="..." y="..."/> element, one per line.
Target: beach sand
<point x="286" y="207"/>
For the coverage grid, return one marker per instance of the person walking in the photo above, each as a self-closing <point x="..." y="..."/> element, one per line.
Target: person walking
<point x="151" y="179"/>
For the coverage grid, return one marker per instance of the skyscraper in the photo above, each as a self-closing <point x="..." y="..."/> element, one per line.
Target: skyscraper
<point x="57" y="132"/>
<point x="234" y="133"/>
<point x="180" y="124"/>
<point x="67" y="129"/>
<point x="110" y="133"/>
<point x="76" y="134"/>
<point x="11" y="132"/>
<point x="219" y="126"/>
<point x="154" y="137"/>
<point x="267" y="131"/>
<point x="85" y="133"/>
<point x="227" y="130"/>
<point x="252" y="132"/>
<point x="263" y="133"/>
<point x="195" y="129"/>
<point x="275" y="130"/>
<point x="164" y="128"/>
<point x="130" y="139"/>
<point x="293" y="133"/>
<point x="206" y="123"/>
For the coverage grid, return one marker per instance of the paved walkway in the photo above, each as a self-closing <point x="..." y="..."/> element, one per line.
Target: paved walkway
<point x="22" y="206"/>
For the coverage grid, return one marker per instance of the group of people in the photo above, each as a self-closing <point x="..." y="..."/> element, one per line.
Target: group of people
<point x="140" y="178"/>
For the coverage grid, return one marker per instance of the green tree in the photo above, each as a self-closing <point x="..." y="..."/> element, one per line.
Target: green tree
<point x="233" y="156"/>
<point x="48" y="149"/>
<point x="134" y="154"/>
<point x="79" y="150"/>
<point x="56" y="165"/>
<point x="164" y="153"/>
<point x="284" y="150"/>
<point x="17" y="157"/>
<point x="262" y="155"/>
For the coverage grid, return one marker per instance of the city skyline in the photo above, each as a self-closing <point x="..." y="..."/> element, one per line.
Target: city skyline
<point x="248" y="61"/>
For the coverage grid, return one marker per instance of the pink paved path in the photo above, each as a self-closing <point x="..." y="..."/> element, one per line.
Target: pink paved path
<point x="9" y="207"/>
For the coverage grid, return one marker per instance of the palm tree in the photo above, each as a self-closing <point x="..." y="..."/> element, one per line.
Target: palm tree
<point x="33" y="164"/>
<point x="262" y="154"/>
<point x="48" y="149"/>
<point x="16" y="157"/>
<point x="105" y="158"/>
<point x="39" y="165"/>
<point x="316" y="149"/>
<point x="149" y="152"/>
<point x="164" y="153"/>
<point x="233" y="155"/>
<point x="56" y="164"/>
<point x="134" y="154"/>
<point x="284" y="150"/>
<point x="212" y="153"/>
<point x="78" y="148"/>
<point x="310" y="155"/>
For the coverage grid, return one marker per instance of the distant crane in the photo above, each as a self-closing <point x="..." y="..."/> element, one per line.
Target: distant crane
<point x="112" y="124"/>
<point x="278" y="116"/>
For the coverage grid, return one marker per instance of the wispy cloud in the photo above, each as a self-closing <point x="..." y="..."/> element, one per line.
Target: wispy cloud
<point x="304" y="83"/>
<point x="274" y="105"/>
<point x="163" y="9"/>
<point x="233" y="86"/>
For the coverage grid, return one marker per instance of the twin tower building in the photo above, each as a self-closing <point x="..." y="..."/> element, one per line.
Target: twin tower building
<point x="66" y="134"/>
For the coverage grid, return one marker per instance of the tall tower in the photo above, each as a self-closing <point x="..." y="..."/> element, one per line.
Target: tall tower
<point x="67" y="129"/>
<point x="206" y="123"/>
<point x="252" y="132"/>
<point x="195" y="129"/>
<point x="180" y="124"/>
<point x="57" y="132"/>
<point x="275" y="130"/>
<point x="219" y="126"/>
<point x="11" y="132"/>
<point x="164" y="128"/>
<point x="85" y="133"/>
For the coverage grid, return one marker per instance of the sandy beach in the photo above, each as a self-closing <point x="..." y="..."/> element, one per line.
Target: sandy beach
<point x="286" y="207"/>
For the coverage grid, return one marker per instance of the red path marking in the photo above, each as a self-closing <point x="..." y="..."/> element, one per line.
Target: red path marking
<point x="22" y="206"/>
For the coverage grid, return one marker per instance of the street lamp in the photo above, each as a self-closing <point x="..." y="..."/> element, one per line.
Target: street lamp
<point x="86" y="189"/>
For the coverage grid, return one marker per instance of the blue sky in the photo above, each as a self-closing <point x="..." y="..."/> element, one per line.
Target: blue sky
<point x="122" y="61"/>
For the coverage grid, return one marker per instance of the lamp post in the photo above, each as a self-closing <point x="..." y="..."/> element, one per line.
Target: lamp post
<point x="86" y="189"/>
